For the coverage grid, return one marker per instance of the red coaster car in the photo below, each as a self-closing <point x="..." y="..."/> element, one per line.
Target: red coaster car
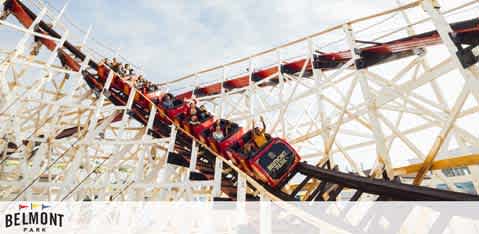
<point x="275" y="162"/>
<point x="167" y="104"/>
<point x="270" y="164"/>
<point x="155" y="96"/>
<point x="122" y="89"/>
<point x="240" y="156"/>
<point x="204" y="120"/>
<point x="232" y="135"/>
<point x="98" y="81"/>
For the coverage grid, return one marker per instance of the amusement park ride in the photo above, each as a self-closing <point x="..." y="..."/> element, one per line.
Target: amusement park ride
<point x="75" y="129"/>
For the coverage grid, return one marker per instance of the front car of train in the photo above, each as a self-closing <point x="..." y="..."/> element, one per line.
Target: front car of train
<point x="270" y="163"/>
<point x="274" y="162"/>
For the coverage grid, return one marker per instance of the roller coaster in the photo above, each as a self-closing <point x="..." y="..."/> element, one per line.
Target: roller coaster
<point x="61" y="132"/>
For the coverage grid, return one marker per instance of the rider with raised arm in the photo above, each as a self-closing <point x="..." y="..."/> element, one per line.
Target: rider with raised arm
<point x="259" y="135"/>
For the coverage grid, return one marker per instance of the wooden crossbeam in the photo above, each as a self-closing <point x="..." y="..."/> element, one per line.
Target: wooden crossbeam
<point x="440" y="164"/>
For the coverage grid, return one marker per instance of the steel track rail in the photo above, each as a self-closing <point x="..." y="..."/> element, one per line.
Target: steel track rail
<point x="395" y="191"/>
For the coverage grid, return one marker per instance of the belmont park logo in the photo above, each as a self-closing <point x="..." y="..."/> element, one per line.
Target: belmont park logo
<point x="33" y="217"/>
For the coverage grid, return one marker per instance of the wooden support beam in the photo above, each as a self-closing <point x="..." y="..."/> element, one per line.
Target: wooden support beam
<point x="440" y="164"/>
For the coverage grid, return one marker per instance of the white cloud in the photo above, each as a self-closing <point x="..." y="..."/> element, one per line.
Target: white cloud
<point x="173" y="38"/>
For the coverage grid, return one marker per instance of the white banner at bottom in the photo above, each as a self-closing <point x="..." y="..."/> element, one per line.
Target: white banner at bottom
<point x="231" y="217"/>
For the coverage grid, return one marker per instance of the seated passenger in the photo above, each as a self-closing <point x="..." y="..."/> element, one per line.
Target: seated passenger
<point x="124" y="70"/>
<point x="259" y="136"/>
<point x="192" y="105"/>
<point x="139" y="84"/>
<point x="132" y="80"/>
<point x="115" y="65"/>
<point x="203" y="113"/>
<point x="194" y="120"/>
<point x="152" y="87"/>
<point x="128" y="70"/>
<point x="218" y="133"/>
<point x="131" y="71"/>
<point x="106" y="62"/>
<point x="249" y="148"/>
<point x="146" y="84"/>
<point x="194" y="115"/>
<point x="192" y="110"/>
<point x="228" y="128"/>
<point x="168" y="101"/>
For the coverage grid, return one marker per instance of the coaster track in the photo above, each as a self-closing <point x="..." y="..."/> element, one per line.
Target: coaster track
<point x="330" y="182"/>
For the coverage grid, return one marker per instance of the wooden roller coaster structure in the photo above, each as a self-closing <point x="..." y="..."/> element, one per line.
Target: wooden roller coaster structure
<point x="321" y="182"/>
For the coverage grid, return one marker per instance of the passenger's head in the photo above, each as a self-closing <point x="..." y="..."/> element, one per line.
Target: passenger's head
<point x="218" y="128"/>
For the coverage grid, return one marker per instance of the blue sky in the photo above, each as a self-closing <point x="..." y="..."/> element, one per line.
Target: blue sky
<point x="170" y="38"/>
<point x="177" y="37"/>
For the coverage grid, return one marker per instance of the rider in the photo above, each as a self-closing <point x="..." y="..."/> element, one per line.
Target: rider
<point x="123" y="70"/>
<point x="259" y="135"/>
<point x="168" y="101"/>
<point x="139" y="84"/>
<point x="115" y="65"/>
<point x="128" y="70"/>
<point x="228" y="128"/>
<point x="152" y="87"/>
<point x="194" y="120"/>
<point x="193" y="114"/>
<point x="203" y="113"/>
<point x="218" y="133"/>
<point x="248" y="148"/>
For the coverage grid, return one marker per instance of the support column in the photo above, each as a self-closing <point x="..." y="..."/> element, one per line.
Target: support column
<point x="241" y="188"/>
<point x="217" y="177"/>
<point x="169" y="169"/>
<point x="265" y="215"/>
<point x="369" y="98"/>
<point x="140" y="167"/>
<point x="444" y="30"/>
